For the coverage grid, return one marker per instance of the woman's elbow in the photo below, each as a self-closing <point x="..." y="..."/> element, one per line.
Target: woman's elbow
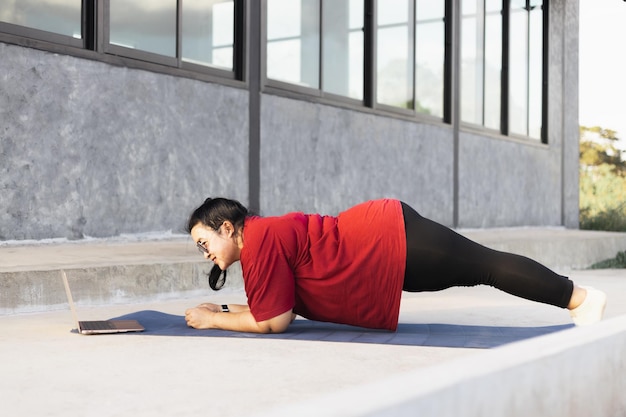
<point x="278" y="324"/>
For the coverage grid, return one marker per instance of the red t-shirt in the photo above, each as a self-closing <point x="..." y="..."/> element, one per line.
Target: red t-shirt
<point x="346" y="269"/>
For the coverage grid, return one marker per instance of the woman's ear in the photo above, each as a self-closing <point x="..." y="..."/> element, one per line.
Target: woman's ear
<point x="229" y="229"/>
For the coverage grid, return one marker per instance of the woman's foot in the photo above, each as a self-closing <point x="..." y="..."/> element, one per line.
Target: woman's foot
<point x="591" y="309"/>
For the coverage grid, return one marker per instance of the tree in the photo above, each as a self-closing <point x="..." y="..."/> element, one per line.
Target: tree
<point x="602" y="180"/>
<point x="598" y="146"/>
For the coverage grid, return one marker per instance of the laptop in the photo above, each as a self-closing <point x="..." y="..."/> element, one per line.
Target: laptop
<point x="99" y="326"/>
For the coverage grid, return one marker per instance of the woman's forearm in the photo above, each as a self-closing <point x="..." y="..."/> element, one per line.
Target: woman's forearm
<point x="240" y="321"/>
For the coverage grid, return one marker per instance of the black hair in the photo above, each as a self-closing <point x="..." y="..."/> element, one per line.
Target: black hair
<point x="213" y="213"/>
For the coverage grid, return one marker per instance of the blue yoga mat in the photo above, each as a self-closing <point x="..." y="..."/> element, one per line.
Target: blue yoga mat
<point x="408" y="334"/>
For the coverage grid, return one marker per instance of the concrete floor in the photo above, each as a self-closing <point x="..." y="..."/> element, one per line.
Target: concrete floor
<point x="49" y="371"/>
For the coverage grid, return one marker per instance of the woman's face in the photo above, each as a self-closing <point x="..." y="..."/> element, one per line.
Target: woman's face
<point x="221" y="246"/>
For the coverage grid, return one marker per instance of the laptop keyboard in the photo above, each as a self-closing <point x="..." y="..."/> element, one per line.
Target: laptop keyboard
<point x="96" y="325"/>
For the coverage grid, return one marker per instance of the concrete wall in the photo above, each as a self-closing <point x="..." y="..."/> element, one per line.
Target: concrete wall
<point x="89" y="149"/>
<point x="508" y="183"/>
<point x="321" y="158"/>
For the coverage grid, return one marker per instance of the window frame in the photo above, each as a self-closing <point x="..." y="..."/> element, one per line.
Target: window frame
<point x="285" y="88"/>
<point x="505" y="121"/>
<point x="94" y="45"/>
<point x="46" y="36"/>
<point x="369" y="102"/>
<point x="177" y="60"/>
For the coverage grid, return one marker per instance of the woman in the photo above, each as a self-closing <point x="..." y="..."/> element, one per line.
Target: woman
<point x="352" y="268"/>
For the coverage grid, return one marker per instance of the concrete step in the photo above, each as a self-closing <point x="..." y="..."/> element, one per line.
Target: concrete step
<point x="102" y="272"/>
<point x="126" y="271"/>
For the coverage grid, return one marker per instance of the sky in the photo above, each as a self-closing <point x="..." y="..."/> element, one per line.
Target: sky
<point x="602" y="91"/>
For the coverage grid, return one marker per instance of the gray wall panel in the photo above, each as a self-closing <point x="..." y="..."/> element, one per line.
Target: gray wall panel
<point x="506" y="183"/>
<point x="318" y="158"/>
<point x="89" y="149"/>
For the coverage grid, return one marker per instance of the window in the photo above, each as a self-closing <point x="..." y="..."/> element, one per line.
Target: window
<point x="485" y="25"/>
<point x="430" y="43"/>
<point x="394" y="60"/>
<point x="343" y="48"/>
<point x="206" y="35"/>
<point x="146" y="25"/>
<point x="301" y="41"/>
<point x="321" y="45"/>
<point x="293" y="49"/>
<point x="208" y="32"/>
<point x="58" y="21"/>
<point x="481" y="62"/>
<point x="196" y="35"/>
<point x="525" y="73"/>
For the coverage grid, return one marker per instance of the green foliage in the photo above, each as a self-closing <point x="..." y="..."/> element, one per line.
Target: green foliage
<point x="618" y="262"/>
<point x="602" y="181"/>
<point x="598" y="147"/>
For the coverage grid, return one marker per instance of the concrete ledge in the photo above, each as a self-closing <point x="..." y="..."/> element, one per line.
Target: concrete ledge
<point x="557" y="248"/>
<point x="574" y="373"/>
<point x="116" y="284"/>
<point x="102" y="272"/>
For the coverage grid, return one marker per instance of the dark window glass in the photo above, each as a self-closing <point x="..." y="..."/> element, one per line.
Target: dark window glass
<point x="58" y="16"/>
<point x="208" y="32"/>
<point x="146" y="25"/>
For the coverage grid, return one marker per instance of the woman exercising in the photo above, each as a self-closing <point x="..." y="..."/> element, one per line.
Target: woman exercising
<point x="352" y="268"/>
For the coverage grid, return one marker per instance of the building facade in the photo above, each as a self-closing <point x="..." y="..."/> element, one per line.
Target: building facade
<point x="121" y="117"/>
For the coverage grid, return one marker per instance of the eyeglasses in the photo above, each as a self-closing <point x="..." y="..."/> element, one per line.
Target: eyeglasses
<point x="201" y="247"/>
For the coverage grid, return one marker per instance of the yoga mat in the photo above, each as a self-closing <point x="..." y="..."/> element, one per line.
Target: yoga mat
<point x="408" y="334"/>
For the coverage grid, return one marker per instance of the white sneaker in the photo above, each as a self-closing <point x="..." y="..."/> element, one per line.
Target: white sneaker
<point x="592" y="308"/>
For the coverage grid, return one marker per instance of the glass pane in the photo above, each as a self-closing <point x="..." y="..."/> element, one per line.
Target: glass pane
<point x="535" y="79"/>
<point x="471" y="66"/>
<point x="493" y="6"/>
<point x="293" y="45"/>
<point x="429" y="57"/>
<point x="429" y="10"/>
<point x="148" y="25"/>
<point x="493" y="70"/>
<point x="394" y="60"/>
<point x="208" y="32"/>
<point x="395" y="80"/>
<point x="58" y="16"/>
<point x="469" y="7"/>
<point x="391" y="12"/>
<point x="342" y="37"/>
<point x="518" y="73"/>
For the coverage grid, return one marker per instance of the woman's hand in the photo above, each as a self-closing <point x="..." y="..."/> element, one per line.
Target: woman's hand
<point x="201" y="317"/>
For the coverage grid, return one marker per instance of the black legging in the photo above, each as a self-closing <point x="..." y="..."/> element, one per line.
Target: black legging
<point x="439" y="258"/>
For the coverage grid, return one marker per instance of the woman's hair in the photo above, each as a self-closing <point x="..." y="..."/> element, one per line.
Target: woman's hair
<point x="213" y="213"/>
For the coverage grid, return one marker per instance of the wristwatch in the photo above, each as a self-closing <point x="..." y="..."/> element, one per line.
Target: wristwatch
<point x="225" y="308"/>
